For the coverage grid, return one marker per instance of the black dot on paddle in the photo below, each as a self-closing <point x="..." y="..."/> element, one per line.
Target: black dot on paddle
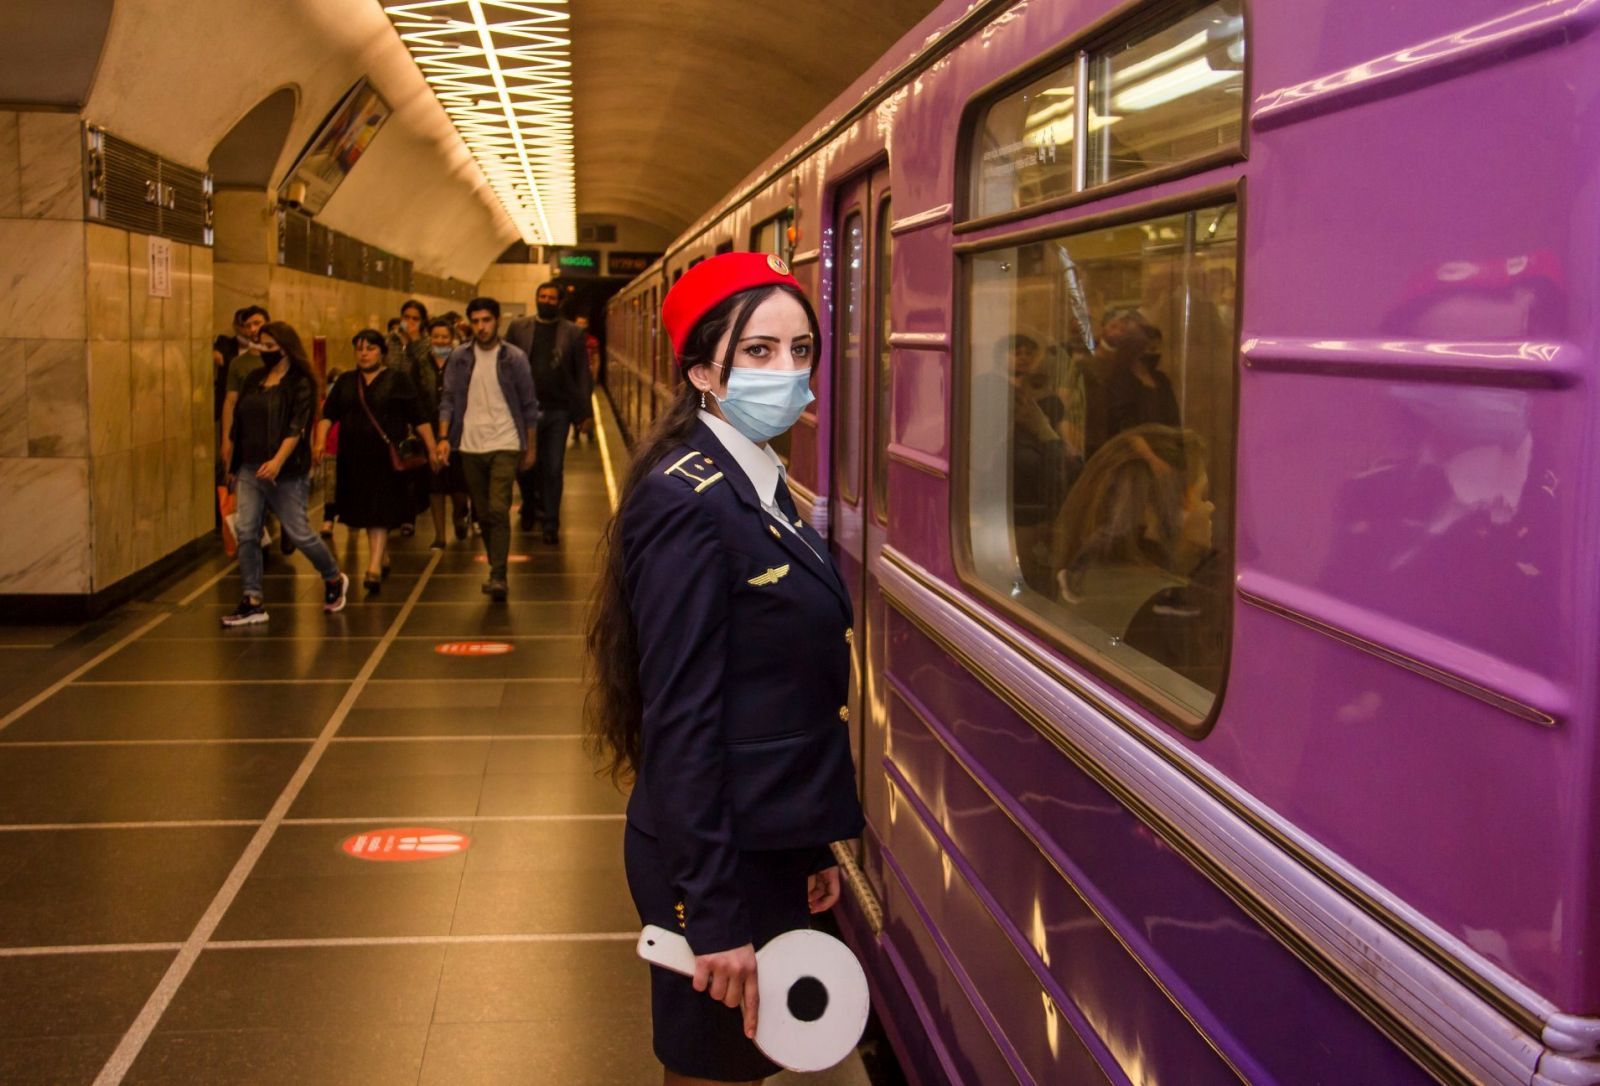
<point x="808" y="999"/>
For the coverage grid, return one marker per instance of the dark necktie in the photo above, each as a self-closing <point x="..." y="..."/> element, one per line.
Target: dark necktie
<point x="785" y="503"/>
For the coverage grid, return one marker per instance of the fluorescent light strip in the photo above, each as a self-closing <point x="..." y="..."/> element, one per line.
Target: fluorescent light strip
<point x="501" y="69"/>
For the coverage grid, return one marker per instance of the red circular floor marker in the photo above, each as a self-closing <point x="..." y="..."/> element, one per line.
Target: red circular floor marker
<point x="513" y="558"/>
<point x="400" y="846"/>
<point x="473" y="648"/>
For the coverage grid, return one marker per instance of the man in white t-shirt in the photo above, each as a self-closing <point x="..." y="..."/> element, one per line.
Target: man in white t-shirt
<point x="488" y="413"/>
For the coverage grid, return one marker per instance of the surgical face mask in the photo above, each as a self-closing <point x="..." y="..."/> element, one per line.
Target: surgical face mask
<point x="761" y="404"/>
<point x="548" y="311"/>
<point x="272" y="358"/>
<point x="441" y="352"/>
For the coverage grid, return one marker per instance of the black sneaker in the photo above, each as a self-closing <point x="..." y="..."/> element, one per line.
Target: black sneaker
<point x="285" y="544"/>
<point x="248" y="613"/>
<point x="496" y="588"/>
<point x="334" y="593"/>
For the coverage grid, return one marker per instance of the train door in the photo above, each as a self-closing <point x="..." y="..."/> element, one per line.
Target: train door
<point x="860" y="311"/>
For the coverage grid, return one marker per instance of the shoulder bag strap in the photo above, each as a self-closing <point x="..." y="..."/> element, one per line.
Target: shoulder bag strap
<point x="361" y="391"/>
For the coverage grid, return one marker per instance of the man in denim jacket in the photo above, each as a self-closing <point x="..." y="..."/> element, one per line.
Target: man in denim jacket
<point x="488" y="413"/>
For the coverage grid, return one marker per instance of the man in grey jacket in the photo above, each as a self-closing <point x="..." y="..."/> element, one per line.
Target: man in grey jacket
<point x="489" y="416"/>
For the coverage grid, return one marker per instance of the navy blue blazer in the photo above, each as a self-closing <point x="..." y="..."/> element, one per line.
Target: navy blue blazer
<point x="744" y="666"/>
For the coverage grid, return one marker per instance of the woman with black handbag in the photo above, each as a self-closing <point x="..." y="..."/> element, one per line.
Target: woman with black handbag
<point x="376" y="407"/>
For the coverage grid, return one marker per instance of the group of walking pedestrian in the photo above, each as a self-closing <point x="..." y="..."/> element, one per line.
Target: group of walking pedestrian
<point x="423" y="423"/>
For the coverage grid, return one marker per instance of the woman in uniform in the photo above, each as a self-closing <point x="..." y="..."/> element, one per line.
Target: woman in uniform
<point x="375" y="406"/>
<point x="721" y="646"/>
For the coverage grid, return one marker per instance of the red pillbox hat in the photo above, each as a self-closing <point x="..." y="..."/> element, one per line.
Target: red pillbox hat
<point x="713" y="280"/>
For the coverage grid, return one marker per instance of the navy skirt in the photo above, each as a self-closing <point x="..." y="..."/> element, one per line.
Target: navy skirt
<point x="695" y="1035"/>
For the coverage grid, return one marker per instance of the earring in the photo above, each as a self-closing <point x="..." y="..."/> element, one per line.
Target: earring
<point x="702" y="399"/>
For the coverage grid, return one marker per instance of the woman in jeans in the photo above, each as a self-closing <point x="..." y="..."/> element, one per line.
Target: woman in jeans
<point x="375" y="406"/>
<point x="271" y="468"/>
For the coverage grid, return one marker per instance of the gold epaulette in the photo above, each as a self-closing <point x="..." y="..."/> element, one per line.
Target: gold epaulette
<point x="693" y="468"/>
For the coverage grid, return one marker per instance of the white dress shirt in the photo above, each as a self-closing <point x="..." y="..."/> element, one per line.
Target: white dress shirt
<point x="760" y="465"/>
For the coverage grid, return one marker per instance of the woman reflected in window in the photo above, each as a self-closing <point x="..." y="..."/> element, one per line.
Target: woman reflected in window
<point x="1134" y="553"/>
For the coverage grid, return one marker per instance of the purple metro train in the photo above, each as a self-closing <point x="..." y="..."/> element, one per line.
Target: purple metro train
<point x="1207" y="430"/>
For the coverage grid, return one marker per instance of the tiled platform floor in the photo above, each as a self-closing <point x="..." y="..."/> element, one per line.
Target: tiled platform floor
<point x="175" y="906"/>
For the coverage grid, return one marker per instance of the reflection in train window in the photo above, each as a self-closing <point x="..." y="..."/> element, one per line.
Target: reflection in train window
<point x="1100" y="444"/>
<point x="882" y="405"/>
<point x="1173" y="95"/>
<point x="849" y="337"/>
<point x="1170" y="93"/>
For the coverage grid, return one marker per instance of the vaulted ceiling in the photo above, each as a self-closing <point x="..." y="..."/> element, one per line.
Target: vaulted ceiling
<point x="675" y="101"/>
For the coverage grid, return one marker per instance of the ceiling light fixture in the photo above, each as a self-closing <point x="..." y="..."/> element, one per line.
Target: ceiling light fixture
<point x="502" y="71"/>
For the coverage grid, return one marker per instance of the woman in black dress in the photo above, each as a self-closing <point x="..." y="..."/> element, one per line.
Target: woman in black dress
<point x="721" y="648"/>
<point x="371" y="493"/>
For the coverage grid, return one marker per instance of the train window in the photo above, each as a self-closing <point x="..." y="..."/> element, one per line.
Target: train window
<point x="1168" y="93"/>
<point x="1025" y="151"/>
<point x="768" y="237"/>
<point x="881" y="404"/>
<point x="1099" y="445"/>
<point x="849" y="339"/>
<point x="1172" y="95"/>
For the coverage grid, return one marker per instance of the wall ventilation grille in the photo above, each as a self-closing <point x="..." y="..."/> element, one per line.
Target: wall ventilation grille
<point x="306" y="245"/>
<point x="136" y="189"/>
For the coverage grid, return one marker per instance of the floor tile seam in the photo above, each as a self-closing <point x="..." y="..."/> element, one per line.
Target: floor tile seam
<point x="517" y="938"/>
<point x="90" y="683"/>
<point x="144" y="1024"/>
<point x="210" y="682"/>
<point x="82" y="669"/>
<point x="527" y="938"/>
<point x="68" y="949"/>
<point x="209" y="583"/>
<point x="12" y="744"/>
<point x="250" y="741"/>
<point x="147" y="824"/>
<point x="341" y="820"/>
<point x="250" y="639"/>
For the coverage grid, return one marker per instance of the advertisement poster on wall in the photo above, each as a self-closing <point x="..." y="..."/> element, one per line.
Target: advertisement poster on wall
<point x="334" y="150"/>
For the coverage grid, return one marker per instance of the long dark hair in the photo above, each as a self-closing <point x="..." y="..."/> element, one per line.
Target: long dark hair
<point x="614" y="708"/>
<point x="288" y="341"/>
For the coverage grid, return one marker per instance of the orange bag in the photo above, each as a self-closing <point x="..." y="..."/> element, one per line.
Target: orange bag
<point x="228" y="506"/>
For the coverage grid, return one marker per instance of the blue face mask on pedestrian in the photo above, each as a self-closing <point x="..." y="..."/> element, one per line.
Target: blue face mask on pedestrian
<point x="761" y="403"/>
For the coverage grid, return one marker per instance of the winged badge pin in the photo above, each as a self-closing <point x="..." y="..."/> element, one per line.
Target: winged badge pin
<point x="771" y="576"/>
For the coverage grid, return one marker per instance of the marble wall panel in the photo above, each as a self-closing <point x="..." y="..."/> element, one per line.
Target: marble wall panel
<point x="202" y="402"/>
<point x="147" y="360"/>
<point x="13" y="398"/>
<point x="175" y="316"/>
<point x="145" y="313"/>
<point x="201" y="297"/>
<point x="51" y="497"/>
<point x="110" y="397"/>
<point x="203" y="497"/>
<point x="58" y="397"/>
<point x="51" y="146"/>
<point x="246" y="226"/>
<point x="176" y="387"/>
<point x="113" y="518"/>
<point x="42" y="279"/>
<point x="177" y="473"/>
<point x="149" y="504"/>
<point x="10" y="167"/>
<point x="108" y="300"/>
